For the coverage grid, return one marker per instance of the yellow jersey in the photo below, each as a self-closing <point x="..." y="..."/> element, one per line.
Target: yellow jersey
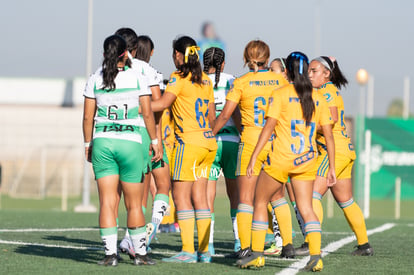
<point x="251" y="92"/>
<point x="190" y="110"/>
<point x="343" y="144"/>
<point x="294" y="149"/>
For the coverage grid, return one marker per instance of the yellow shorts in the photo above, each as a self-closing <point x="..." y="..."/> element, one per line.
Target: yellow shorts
<point x="191" y="162"/>
<point x="243" y="158"/>
<point x="343" y="166"/>
<point x="283" y="176"/>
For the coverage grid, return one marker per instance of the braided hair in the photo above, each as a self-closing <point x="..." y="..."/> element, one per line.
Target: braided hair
<point x="297" y="70"/>
<point x="213" y="57"/>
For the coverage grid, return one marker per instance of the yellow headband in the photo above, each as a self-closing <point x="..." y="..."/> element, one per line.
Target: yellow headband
<point x="190" y="51"/>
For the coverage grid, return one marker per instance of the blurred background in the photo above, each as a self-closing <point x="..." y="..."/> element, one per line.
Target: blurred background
<point x="49" y="48"/>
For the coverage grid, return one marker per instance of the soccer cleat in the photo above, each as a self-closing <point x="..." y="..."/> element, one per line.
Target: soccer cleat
<point x="237" y="245"/>
<point x="211" y="249"/>
<point x="127" y="247"/>
<point x="182" y="257"/>
<point x="315" y="264"/>
<point x="363" y="250"/>
<point x="273" y="250"/>
<point x="151" y="231"/>
<point x="254" y="259"/>
<point x="239" y="254"/>
<point x="109" y="260"/>
<point x="143" y="260"/>
<point x="204" y="257"/>
<point x="303" y="250"/>
<point x="288" y="251"/>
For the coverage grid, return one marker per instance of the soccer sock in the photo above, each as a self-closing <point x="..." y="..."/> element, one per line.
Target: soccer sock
<point x="317" y="206"/>
<point x="109" y="238"/>
<point x="270" y="218"/>
<point x="355" y="218"/>
<point x="233" y="214"/>
<point x="313" y="233"/>
<point x="244" y="224"/>
<point x="258" y="235"/>
<point x="159" y="209"/>
<point x="211" y="240"/>
<point x="276" y="231"/>
<point x="138" y="238"/>
<point x="282" y="212"/>
<point x="169" y="215"/>
<point x="203" y="220"/>
<point x="186" y="221"/>
<point x="299" y="219"/>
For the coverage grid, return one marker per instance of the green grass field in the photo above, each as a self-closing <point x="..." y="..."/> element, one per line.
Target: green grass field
<point x="69" y="243"/>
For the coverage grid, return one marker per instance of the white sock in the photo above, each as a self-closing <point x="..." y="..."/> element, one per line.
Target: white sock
<point x="160" y="208"/>
<point x="235" y="229"/>
<point x="109" y="238"/>
<point x="138" y="238"/>
<point x="211" y="232"/>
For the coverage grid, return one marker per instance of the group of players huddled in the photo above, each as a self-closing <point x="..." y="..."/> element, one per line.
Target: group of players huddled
<point x="280" y="124"/>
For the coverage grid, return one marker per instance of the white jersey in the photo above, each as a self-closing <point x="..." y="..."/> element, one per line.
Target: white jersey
<point x="229" y="131"/>
<point x="117" y="111"/>
<point x="145" y="69"/>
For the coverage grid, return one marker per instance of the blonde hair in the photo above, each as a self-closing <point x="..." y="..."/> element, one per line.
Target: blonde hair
<point x="256" y="54"/>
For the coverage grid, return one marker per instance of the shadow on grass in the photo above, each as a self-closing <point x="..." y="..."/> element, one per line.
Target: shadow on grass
<point x="63" y="239"/>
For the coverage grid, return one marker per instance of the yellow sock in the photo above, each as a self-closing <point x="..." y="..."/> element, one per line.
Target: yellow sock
<point x="258" y="235"/>
<point x="313" y="234"/>
<point x="284" y="218"/>
<point x="270" y="219"/>
<point x="317" y="206"/>
<point x="244" y="224"/>
<point x="203" y="220"/>
<point x="186" y="221"/>
<point x="356" y="221"/>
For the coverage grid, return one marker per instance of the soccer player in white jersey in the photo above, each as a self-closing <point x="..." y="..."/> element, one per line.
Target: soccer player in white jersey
<point x="228" y="139"/>
<point x="141" y="67"/>
<point x="160" y="169"/>
<point x="113" y="96"/>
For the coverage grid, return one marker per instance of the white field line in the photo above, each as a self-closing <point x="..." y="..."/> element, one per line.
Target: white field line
<point x="295" y="267"/>
<point x="22" y="230"/>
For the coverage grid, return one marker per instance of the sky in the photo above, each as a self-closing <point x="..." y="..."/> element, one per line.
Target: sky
<point x="47" y="38"/>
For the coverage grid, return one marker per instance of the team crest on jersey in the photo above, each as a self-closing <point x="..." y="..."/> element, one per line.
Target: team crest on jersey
<point x="172" y="81"/>
<point x="328" y="97"/>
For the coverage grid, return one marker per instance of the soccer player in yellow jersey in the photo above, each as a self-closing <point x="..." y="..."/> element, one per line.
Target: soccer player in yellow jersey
<point x="251" y="93"/>
<point x="327" y="78"/>
<point x="295" y="112"/>
<point x="191" y="97"/>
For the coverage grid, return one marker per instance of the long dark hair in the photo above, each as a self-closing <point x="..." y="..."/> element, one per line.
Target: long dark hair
<point x="191" y="62"/>
<point x="213" y="57"/>
<point x="144" y="48"/>
<point x="297" y="71"/>
<point x="336" y="76"/>
<point x="114" y="51"/>
<point x="130" y="37"/>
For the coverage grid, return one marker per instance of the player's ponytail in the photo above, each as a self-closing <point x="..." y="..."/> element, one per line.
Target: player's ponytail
<point x="297" y="71"/>
<point x="188" y="47"/>
<point x="213" y="57"/>
<point x="114" y="51"/>
<point x="336" y="76"/>
<point x="256" y="54"/>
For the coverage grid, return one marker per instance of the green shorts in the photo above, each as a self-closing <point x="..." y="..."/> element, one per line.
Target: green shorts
<point x="113" y="157"/>
<point x="225" y="161"/>
<point x="146" y="141"/>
